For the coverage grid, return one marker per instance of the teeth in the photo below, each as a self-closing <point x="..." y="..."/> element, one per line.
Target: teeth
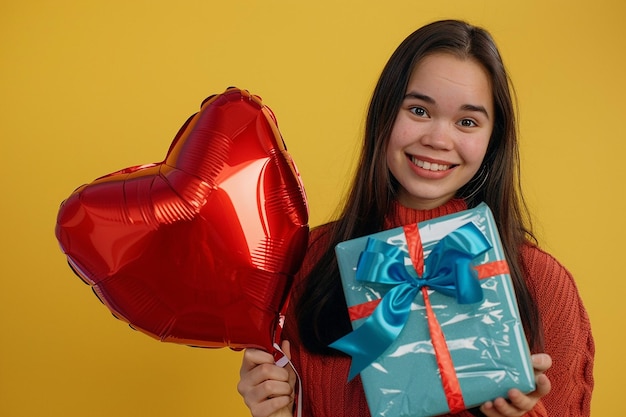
<point x="428" y="165"/>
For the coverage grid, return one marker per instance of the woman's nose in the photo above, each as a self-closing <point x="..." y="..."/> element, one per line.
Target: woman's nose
<point x="438" y="136"/>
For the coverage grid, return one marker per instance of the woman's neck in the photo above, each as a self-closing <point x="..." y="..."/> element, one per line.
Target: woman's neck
<point x="400" y="215"/>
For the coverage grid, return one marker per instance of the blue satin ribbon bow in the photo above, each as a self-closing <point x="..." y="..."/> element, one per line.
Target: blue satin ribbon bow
<point x="447" y="270"/>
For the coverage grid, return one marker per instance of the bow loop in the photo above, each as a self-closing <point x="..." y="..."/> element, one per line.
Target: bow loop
<point x="448" y="267"/>
<point x="382" y="263"/>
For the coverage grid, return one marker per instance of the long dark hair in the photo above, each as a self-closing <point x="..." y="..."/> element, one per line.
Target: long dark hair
<point x="321" y="311"/>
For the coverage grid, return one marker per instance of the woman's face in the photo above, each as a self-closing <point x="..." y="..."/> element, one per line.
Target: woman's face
<point x="441" y="133"/>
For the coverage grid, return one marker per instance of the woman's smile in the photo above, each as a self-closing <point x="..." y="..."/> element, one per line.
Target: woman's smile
<point x="429" y="164"/>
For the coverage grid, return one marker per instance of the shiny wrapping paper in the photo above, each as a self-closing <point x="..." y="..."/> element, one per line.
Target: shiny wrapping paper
<point x="483" y="338"/>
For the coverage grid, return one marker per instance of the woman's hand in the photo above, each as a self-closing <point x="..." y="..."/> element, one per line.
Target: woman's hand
<point x="519" y="403"/>
<point x="267" y="389"/>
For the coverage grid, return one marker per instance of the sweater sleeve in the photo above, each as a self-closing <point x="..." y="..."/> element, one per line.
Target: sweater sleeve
<point x="567" y="334"/>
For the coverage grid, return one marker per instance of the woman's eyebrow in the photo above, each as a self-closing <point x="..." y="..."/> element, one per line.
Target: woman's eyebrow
<point x="420" y="96"/>
<point x="476" y="108"/>
<point x="430" y="100"/>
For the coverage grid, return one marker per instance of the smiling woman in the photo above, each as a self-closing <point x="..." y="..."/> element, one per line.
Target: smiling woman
<point x="440" y="137"/>
<point x="93" y="86"/>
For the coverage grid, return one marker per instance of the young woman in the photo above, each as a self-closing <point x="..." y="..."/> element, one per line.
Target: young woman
<point x="440" y="137"/>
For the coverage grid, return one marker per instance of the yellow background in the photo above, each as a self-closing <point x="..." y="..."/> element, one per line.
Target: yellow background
<point x="89" y="87"/>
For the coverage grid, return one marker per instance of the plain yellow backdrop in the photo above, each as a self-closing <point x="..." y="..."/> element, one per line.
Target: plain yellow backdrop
<point x="90" y="87"/>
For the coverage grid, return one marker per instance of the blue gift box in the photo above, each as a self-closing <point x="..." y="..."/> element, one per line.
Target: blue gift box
<point x="483" y="334"/>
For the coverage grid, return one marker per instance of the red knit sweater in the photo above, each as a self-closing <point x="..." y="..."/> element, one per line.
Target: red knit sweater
<point x="565" y="322"/>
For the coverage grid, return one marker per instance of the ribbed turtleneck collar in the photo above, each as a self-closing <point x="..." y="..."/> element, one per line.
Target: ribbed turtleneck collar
<point x="400" y="215"/>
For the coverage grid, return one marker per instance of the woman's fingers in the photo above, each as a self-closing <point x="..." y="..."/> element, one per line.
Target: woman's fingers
<point x="519" y="403"/>
<point x="543" y="385"/>
<point x="274" y="407"/>
<point x="252" y="358"/>
<point x="264" y="381"/>
<point x="266" y="388"/>
<point x="541" y="362"/>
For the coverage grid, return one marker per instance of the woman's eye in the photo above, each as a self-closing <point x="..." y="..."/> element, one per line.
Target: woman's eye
<point x="418" y="111"/>
<point x="467" y="123"/>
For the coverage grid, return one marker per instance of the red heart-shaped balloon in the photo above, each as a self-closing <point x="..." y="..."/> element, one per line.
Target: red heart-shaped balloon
<point x="201" y="248"/>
